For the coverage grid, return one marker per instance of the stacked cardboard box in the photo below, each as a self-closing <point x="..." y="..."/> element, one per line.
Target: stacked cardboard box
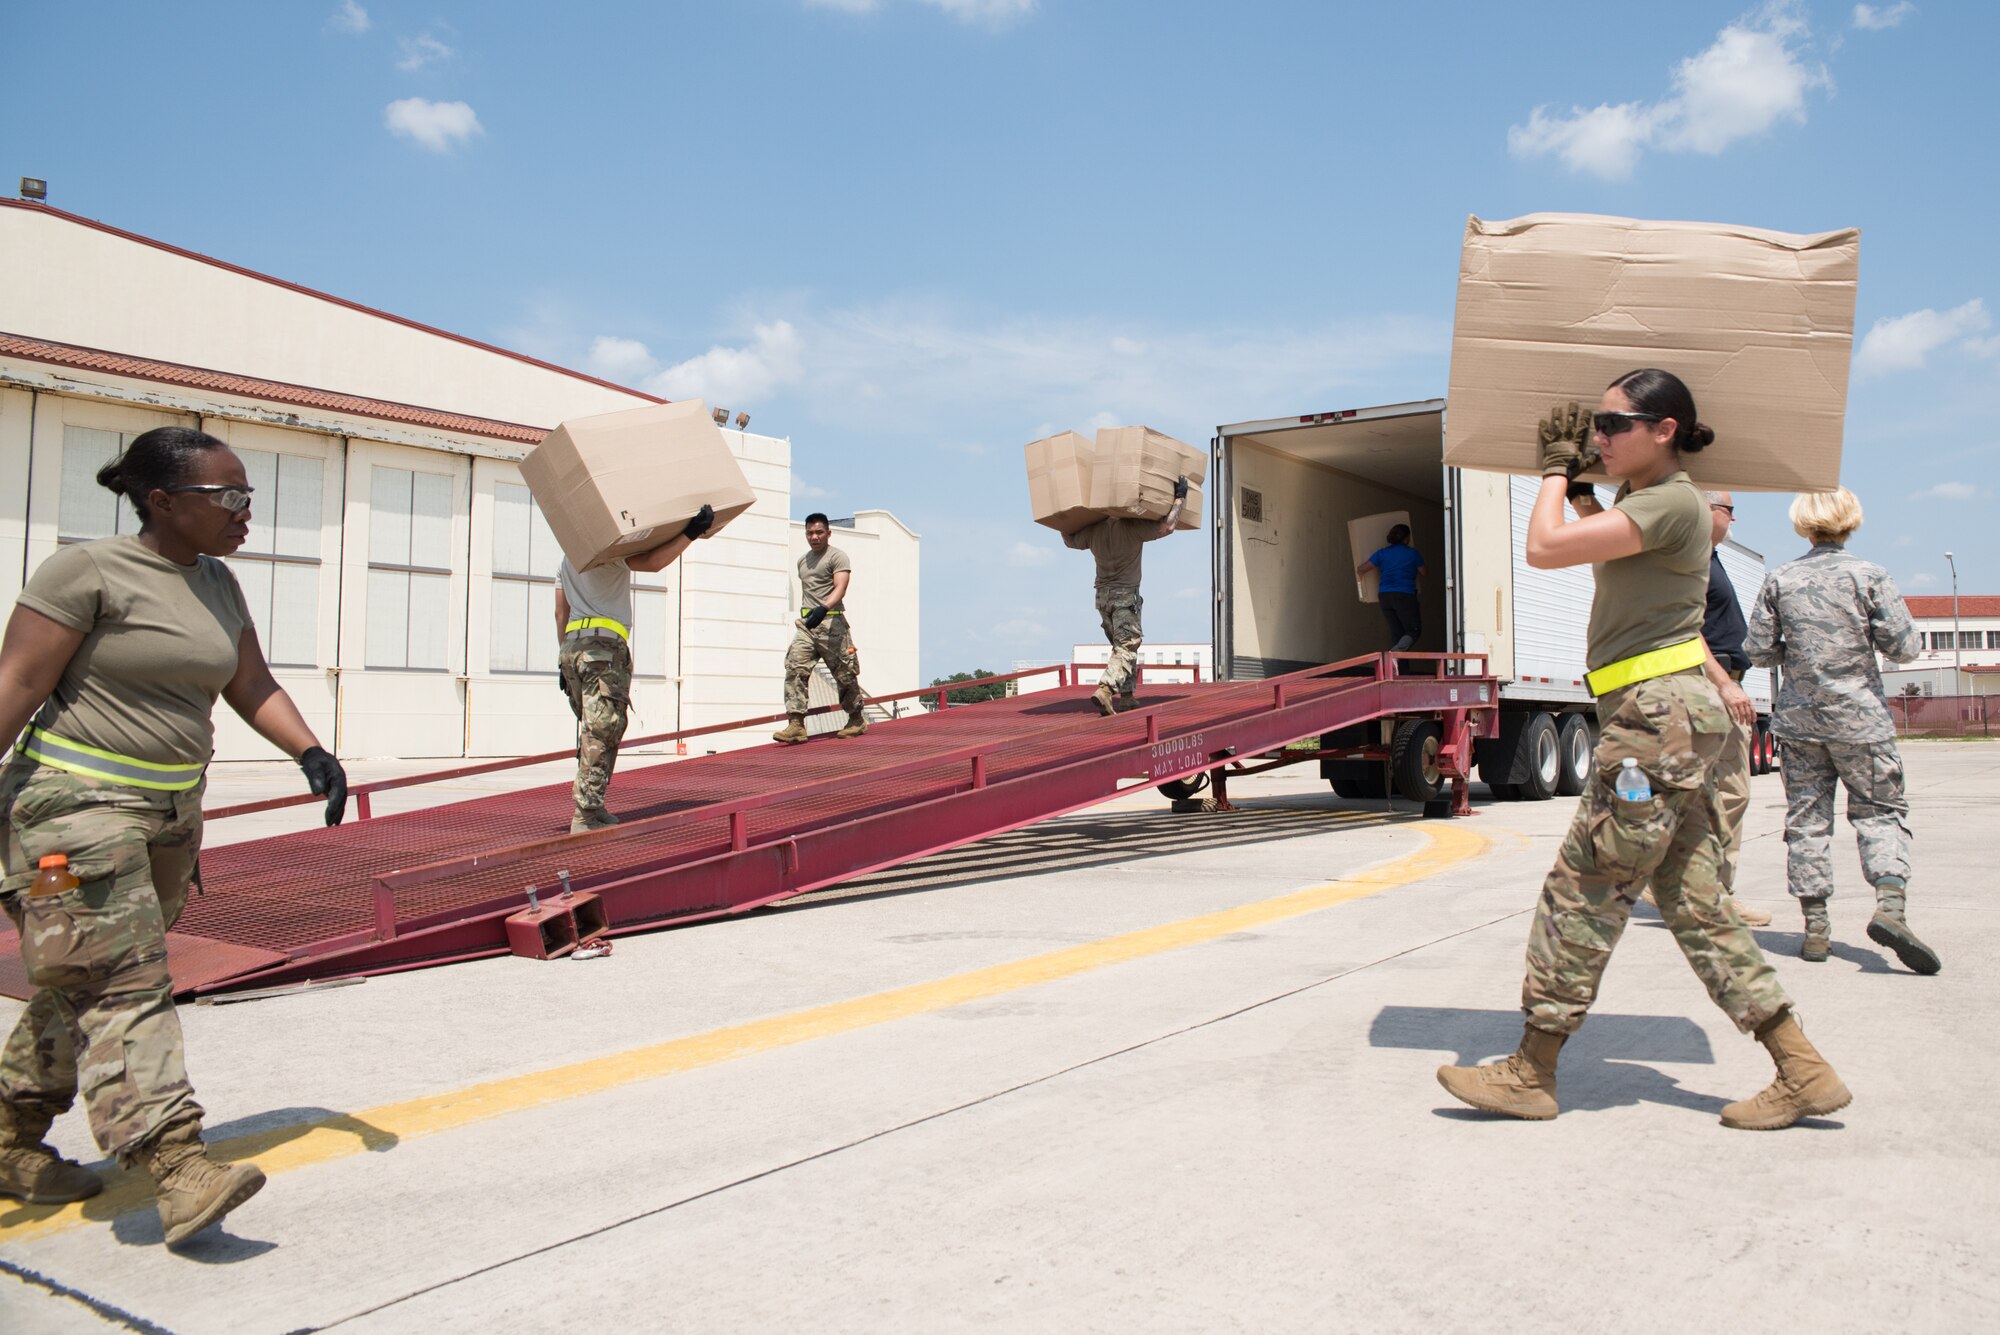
<point x="1554" y="307"/>
<point x="620" y="484"/>
<point x="1128" y="472"/>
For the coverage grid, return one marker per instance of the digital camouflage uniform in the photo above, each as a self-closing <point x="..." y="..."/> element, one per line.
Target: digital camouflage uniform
<point x="597" y="673"/>
<point x="1821" y="619"/>
<point x="827" y="643"/>
<point x="103" y="1019"/>
<point x="1677" y="729"/>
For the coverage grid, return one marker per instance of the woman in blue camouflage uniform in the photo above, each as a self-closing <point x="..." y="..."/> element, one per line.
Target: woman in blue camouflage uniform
<point x="1649" y="812"/>
<point x="112" y="662"/>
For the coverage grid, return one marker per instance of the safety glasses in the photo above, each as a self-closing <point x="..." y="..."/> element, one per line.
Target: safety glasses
<point x="233" y="499"/>
<point x="1612" y="424"/>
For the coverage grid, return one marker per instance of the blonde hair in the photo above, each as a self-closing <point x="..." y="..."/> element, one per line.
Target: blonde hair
<point x="1826" y="516"/>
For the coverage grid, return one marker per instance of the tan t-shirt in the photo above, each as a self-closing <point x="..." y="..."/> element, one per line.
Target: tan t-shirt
<point x="1656" y="598"/>
<point x="160" y="641"/>
<point x="1119" y="546"/>
<point x="603" y="592"/>
<point x="816" y="572"/>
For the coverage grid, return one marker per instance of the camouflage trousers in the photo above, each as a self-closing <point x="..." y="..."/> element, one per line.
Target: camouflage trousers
<point x="828" y="643"/>
<point x="102" y="1020"/>
<point x="1876" y="808"/>
<point x="597" y="673"/>
<point x="1676" y="728"/>
<point x="1118" y="612"/>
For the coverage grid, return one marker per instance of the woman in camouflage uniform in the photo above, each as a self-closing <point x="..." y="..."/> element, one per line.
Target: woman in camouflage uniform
<point x="117" y="649"/>
<point x="1662" y="727"/>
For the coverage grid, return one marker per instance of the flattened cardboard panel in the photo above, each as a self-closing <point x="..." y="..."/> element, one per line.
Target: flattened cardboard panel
<point x="1760" y="324"/>
<point x="1366" y="536"/>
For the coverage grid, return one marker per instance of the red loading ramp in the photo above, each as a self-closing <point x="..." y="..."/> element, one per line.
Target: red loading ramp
<point x="725" y="833"/>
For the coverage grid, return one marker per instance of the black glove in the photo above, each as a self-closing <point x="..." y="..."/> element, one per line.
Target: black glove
<point x="814" y="617"/>
<point x="1582" y="491"/>
<point x="561" y="684"/>
<point x="1180" y="488"/>
<point x="703" y="521"/>
<point x="326" y="779"/>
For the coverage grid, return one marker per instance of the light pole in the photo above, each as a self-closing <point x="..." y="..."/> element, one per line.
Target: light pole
<point x="1957" y="653"/>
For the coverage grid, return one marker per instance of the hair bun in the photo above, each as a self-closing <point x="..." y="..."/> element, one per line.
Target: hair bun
<point x="1697" y="437"/>
<point x="112" y="476"/>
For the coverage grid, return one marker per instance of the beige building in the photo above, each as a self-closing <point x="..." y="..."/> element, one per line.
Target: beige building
<point x="401" y="575"/>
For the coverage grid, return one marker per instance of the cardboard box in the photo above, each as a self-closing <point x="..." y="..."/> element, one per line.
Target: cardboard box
<point x="1554" y="307"/>
<point x="622" y="483"/>
<point x="1059" y="482"/>
<point x="1367" y="536"/>
<point x="1134" y="472"/>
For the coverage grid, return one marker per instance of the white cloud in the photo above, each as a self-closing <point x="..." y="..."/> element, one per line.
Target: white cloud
<point x="992" y="13"/>
<point x="1947" y="491"/>
<point x="613" y="357"/>
<point x="803" y="490"/>
<point x="846" y="6"/>
<point x="1923" y="579"/>
<point x="1028" y="556"/>
<point x="350" y="17"/>
<point x="438" y="126"/>
<point x="772" y="360"/>
<point x="1905" y="342"/>
<point x="1751" y="77"/>
<point x="1887" y="16"/>
<point x="420" y="51"/>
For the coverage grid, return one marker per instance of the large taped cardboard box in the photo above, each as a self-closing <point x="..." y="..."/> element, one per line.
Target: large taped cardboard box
<point x="622" y="483"/>
<point x="1134" y="472"/>
<point x="1760" y="324"/>
<point x="1059" y="482"/>
<point x="1366" y="536"/>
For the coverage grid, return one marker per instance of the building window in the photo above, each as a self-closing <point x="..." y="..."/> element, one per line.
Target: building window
<point x="525" y="557"/>
<point x="1993" y="639"/>
<point x="278" y="565"/>
<point x="1941" y="640"/>
<point x="1968" y="639"/>
<point x="87" y="510"/>
<point x="409" y="569"/>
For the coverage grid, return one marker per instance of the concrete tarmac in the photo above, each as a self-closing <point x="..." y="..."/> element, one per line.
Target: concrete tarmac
<point x="1124" y="1070"/>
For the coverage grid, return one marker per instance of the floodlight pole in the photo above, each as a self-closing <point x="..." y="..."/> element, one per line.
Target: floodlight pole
<point x="1957" y="642"/>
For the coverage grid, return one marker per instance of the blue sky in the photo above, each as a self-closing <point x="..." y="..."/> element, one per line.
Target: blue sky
<point x="913" y="234"/>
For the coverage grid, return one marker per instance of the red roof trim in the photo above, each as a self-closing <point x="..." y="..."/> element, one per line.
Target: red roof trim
<point x="304" y="396"/>
<point x="323" y="296"/>
<point x="1933" y="605"/>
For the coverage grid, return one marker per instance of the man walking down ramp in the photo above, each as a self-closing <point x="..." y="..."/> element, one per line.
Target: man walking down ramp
<point x="822" y="635"/>
<point x="1119" y="545"/>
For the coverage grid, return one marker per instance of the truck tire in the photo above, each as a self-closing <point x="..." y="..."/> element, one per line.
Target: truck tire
<point x="1182" y="789"/>
<point x="1573" y="747"/>
<point x="1414" y="759"/>
<point x="1505" y="792"/>
<point x="1541" y="759"/>
<point x="1360" y="790"/>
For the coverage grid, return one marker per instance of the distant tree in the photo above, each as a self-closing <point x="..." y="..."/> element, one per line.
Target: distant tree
<point x="1911" y="688"/>
<point x="972" y="695"/>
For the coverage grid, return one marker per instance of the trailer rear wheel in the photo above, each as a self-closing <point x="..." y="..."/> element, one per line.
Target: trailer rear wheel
<point x="1414" y="759"/>
<point x="1573" y="746"/>
<point x="1360" y="790"/>
<point x="1505" y="792"/>
<point x="1180" y="790"/>
<point x="1541" y="759"/>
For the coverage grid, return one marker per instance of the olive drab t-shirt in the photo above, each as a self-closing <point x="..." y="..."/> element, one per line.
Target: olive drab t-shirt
<point x="1655" y="598"/>
<point x="816" y="572"/>
<point x="1119" y="546"/>
<point x="160" y="641"/>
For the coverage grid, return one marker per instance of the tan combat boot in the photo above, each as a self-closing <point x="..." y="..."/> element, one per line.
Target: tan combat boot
<point x="591" y="818"/>
<point x="1890" y="928"/>
<point x="1751" y="917"/>
<point x="1523" y="1085"/>
<point x="194" y="1190"/>
<point x="1819" y="931"/>
<point x="1805" y="1087"/>
<point x="793" y="732"/>
<point x="1101" y="697"/>
<point x="33" y="1172"/>
<point x="856" y="725"/>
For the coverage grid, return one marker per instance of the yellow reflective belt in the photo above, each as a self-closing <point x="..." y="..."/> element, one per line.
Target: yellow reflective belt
<point x="60" y="753"/>
<point x="1646" y="666"/>
<point x="831" y="611"/>
<point x="597" y="623"/>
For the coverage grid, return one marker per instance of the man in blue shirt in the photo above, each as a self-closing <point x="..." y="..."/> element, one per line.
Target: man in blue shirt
<point x="1400" y="565"/>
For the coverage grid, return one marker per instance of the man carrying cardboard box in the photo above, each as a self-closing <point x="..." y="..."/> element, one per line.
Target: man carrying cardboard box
<point x="594" y="664"/>
<point x="821" y="636"/>
<point x="1119" y="544"/>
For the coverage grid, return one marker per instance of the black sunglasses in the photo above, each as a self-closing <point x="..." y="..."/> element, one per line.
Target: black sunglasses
<point x="233" y="499"/>
<point x="1611" y="424"/>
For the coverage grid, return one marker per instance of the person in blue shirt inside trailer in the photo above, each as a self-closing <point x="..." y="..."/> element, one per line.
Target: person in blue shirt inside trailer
<point x="1400" y="565"/>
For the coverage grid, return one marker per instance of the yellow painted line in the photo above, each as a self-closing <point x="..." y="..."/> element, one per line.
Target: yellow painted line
<point x="286" y="1148"/>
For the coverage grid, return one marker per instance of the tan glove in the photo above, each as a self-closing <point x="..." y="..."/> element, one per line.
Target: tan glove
<point x="1566" y="442"/>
